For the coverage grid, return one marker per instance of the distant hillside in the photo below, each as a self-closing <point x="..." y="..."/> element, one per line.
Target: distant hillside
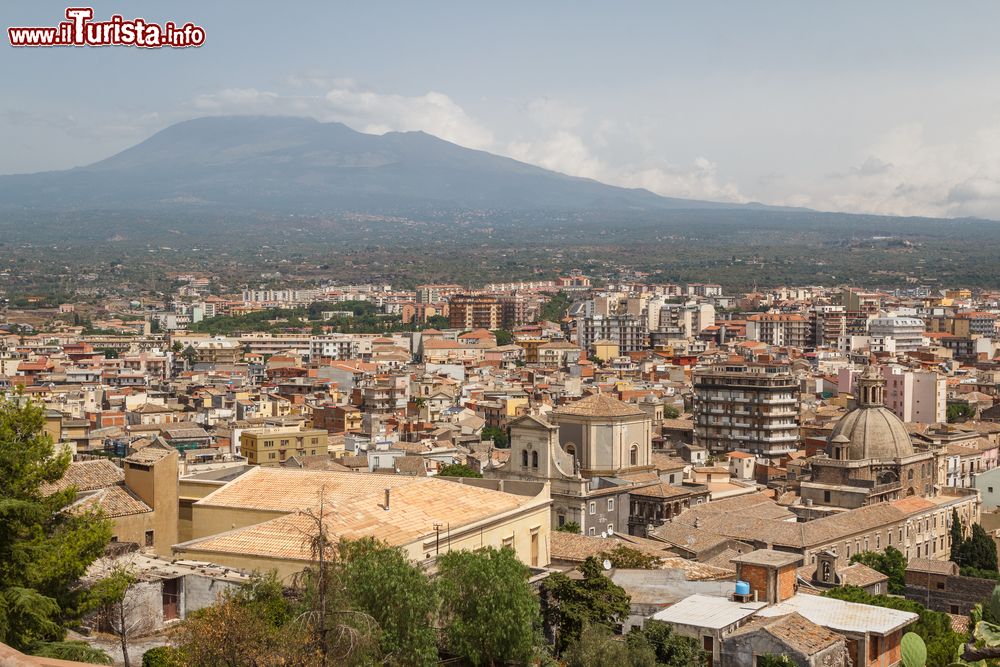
<point x="267" y="164"/>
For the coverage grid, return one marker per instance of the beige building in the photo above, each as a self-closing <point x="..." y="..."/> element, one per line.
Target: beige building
<point x="918" y="527"/>
<point x="141" y="501"/>
<point x="747" y="408"/>
<point x="260" y="520"/>
<point x="273" y="445"/>
<point x="592" y="453"/>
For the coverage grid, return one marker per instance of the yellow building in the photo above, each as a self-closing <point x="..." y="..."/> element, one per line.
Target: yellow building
<point x="258" y="521"/>
<point x="271" y="446"/>
<point x="140" y="501"/>
<point x="605" y="350"/>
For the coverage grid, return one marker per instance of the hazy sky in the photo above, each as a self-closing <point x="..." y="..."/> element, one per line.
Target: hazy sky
<point x="889" y="107"/>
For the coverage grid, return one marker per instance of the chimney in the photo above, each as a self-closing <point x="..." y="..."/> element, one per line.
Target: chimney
<point x="387" y="490"/>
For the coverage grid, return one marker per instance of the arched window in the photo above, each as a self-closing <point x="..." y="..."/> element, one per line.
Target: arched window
<point x="633" y="455"/>
<point x="571" y="449"/>
<point x="909" y="475"/>
<point x="524" y="458"/>
<point x="534" y="459"/>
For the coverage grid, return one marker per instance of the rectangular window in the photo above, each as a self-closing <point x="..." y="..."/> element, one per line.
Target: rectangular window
<point x="593" y="508"/>
<point x="149" y="538"/>
<point x="611" y="504"/>
<point x="591" y="532"/>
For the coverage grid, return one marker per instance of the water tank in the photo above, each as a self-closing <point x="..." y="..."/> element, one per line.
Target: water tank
<point x="742" y="588"/>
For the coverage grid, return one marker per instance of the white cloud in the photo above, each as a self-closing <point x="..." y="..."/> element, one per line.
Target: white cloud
<point x="364" y="110"/>
<point x="906" y="173"/>
<point x="554" y="134"/>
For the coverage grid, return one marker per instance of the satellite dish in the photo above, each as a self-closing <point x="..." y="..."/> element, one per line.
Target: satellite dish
<point x="611" y="532"/>
<point x="607" y="564"/>
<point x="604" y="534"/>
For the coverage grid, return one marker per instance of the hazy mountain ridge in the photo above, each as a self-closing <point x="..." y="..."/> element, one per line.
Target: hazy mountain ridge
<point x="297" y="164"/>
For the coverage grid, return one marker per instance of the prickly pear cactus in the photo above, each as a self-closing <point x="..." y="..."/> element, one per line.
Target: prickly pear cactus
<point x="995" y="603"/>
<point x="914" y="651"/>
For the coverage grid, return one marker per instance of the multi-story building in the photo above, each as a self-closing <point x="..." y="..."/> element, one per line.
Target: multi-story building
<point x="628" y="331"/>
<point x="781" y="329"/>
<point x="474" y="311"/>
<point x="828" y="324"/>
<point x="746" y="407"/>
<point x="914" y="396"/>
<point x="340" y="346"/>
<point x="273" y="445"/>
<point x="908" y="332"/>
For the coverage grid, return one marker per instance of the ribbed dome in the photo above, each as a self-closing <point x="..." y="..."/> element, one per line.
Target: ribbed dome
<point x="871" y="433"/>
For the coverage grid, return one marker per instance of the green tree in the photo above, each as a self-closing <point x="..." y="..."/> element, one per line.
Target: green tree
<point x="670" y="648"/>
<point x="497" y="435"/>
<point x="570" y="527"/>
<point x="43" y="549"/>
<point x="118" y="608"/>
<point x="75" y="650"/>
<point x="957" y="534"/>
<point x="489" y="612"/>
<point x="573" y="603"/>
<point x="598" y="647"/>
<point x="960" y="412"/>
<point x="774" y="660"/>
<point x="458" y="470"/>
<point x="670" y="412"/>
<point x="555" y="308"/>
<point x="891" y="563"/>
<point x="979" y="551"/>
<point x="629" y="558"/>
<point x="161" y="656"/>
<point x="383" y="583"/>
<point x="503" y="336"/>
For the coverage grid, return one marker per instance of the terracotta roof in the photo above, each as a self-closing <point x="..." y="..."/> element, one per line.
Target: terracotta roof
<point x="861" y="575"/>
<point x="114" y="501"/>
<point x="599" y="405"/>
<point x="288" y="490"/>
<point x="932" y="566"/>
<point x="417" y="504"/>
<point x="795" y="631"/>
<point x="86" y="476"/>
<point x="149" y="454"/>
<point x="661" y="490"/>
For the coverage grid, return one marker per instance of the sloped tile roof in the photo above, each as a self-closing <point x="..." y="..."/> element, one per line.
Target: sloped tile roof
<point x="417" y="504"/>
<point x="600" y="405"/>
<point x="87" y="476"/>
<point x="113" y="501"/>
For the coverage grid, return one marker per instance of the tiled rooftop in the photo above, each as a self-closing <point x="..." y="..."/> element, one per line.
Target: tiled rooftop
<point x="287" y="490"/>
<point x="87" y="476"/>
<point x="416" y="506"/>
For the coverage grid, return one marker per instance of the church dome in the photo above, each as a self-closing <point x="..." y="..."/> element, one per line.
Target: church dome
<point x="870" y="431"/>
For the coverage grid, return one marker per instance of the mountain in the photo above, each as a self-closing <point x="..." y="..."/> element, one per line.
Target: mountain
<point x="258" y="163"/>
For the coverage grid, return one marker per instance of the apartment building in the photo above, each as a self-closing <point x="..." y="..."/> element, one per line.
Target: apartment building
<point x="780" y="329"/>
<point x="340" y="346"/>
<point x="746" y="407"/>
<point x="628" y="331"/>
<point x="273" y="445"/>
<point x="908" y="332"/>
<point x="913" y="396"/>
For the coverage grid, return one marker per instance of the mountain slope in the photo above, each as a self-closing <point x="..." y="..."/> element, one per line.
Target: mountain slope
<point x="296" y="164"/>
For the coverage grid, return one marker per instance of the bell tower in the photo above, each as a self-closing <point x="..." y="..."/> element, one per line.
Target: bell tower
<point x="871" y="389"/>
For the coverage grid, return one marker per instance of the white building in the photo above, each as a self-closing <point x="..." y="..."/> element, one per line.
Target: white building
<point x="908" y="332"/>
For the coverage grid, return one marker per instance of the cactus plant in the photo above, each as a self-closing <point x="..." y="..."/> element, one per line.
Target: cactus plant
<point x="914" y="651"/>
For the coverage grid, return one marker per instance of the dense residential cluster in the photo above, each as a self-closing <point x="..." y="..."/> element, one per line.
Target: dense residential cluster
<point x="760" y="447"/>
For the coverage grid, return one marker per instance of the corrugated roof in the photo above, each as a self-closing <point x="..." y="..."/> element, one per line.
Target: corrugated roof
<point x="843" y="616"/>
